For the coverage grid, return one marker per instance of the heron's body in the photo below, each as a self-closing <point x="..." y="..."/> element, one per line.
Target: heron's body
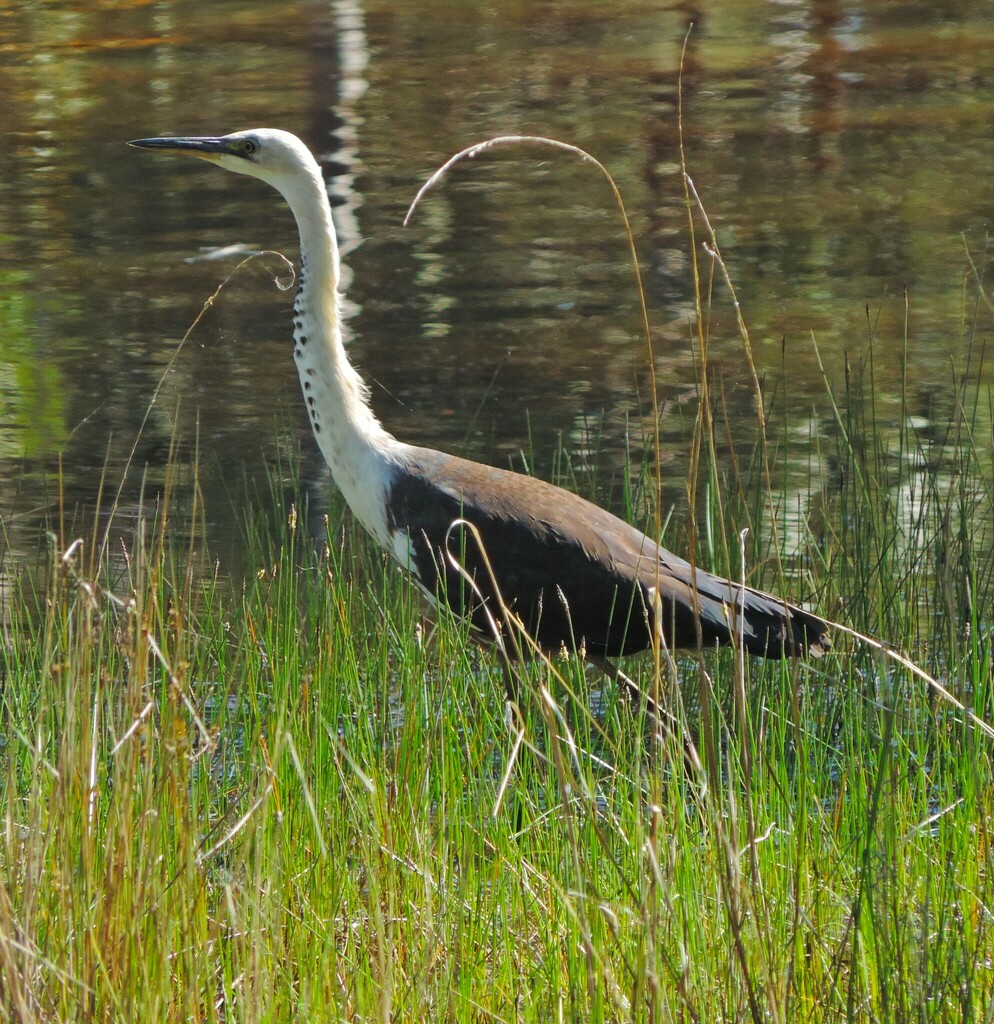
<point x="576" y="575"/>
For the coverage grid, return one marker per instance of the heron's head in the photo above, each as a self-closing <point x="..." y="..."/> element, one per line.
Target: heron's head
<point x="270" y="154"/>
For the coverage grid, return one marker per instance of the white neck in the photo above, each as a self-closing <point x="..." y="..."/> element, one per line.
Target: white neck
<point x="357" y="448"/>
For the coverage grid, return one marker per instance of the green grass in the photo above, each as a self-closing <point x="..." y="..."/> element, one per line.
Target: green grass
<point x="291" y="802"/>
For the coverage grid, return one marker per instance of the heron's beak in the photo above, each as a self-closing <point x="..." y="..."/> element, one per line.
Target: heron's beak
<point x="205" y="148"/>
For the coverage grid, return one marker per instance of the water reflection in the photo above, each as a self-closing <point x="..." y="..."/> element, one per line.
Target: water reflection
<point x="842" y="151"/>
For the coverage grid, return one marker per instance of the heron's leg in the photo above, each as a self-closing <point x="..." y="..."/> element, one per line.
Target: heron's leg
<point x="510" y="682"/>
<point x="664" y="722"/>
<point x="629" y="687"/>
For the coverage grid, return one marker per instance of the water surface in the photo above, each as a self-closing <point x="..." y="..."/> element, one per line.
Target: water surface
<point x="843" y="151"/>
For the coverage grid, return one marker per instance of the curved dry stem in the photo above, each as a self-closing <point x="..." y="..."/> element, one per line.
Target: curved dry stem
<point x="476" y="150"/>
<point x="506" y="615"/>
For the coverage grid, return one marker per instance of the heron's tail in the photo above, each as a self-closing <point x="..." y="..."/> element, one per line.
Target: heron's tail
<point x="771" y="628"/>
<point x="710" y="611"/>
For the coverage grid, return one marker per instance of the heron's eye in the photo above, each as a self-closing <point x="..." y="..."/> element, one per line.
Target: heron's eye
<point x="248" y="147"/>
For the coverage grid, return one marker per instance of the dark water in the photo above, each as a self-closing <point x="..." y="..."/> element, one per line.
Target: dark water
<point x="844" y="152"/>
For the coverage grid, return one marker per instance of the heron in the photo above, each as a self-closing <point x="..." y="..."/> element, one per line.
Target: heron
<point x="489" y="543"/>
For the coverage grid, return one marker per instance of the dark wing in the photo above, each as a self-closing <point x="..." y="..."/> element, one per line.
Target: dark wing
<point x="573" y="572"/>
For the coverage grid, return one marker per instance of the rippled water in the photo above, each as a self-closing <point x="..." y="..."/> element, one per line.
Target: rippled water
<point x="843" y="152"/>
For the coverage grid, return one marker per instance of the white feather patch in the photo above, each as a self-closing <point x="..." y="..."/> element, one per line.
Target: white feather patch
<point x="403" y="550"/>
